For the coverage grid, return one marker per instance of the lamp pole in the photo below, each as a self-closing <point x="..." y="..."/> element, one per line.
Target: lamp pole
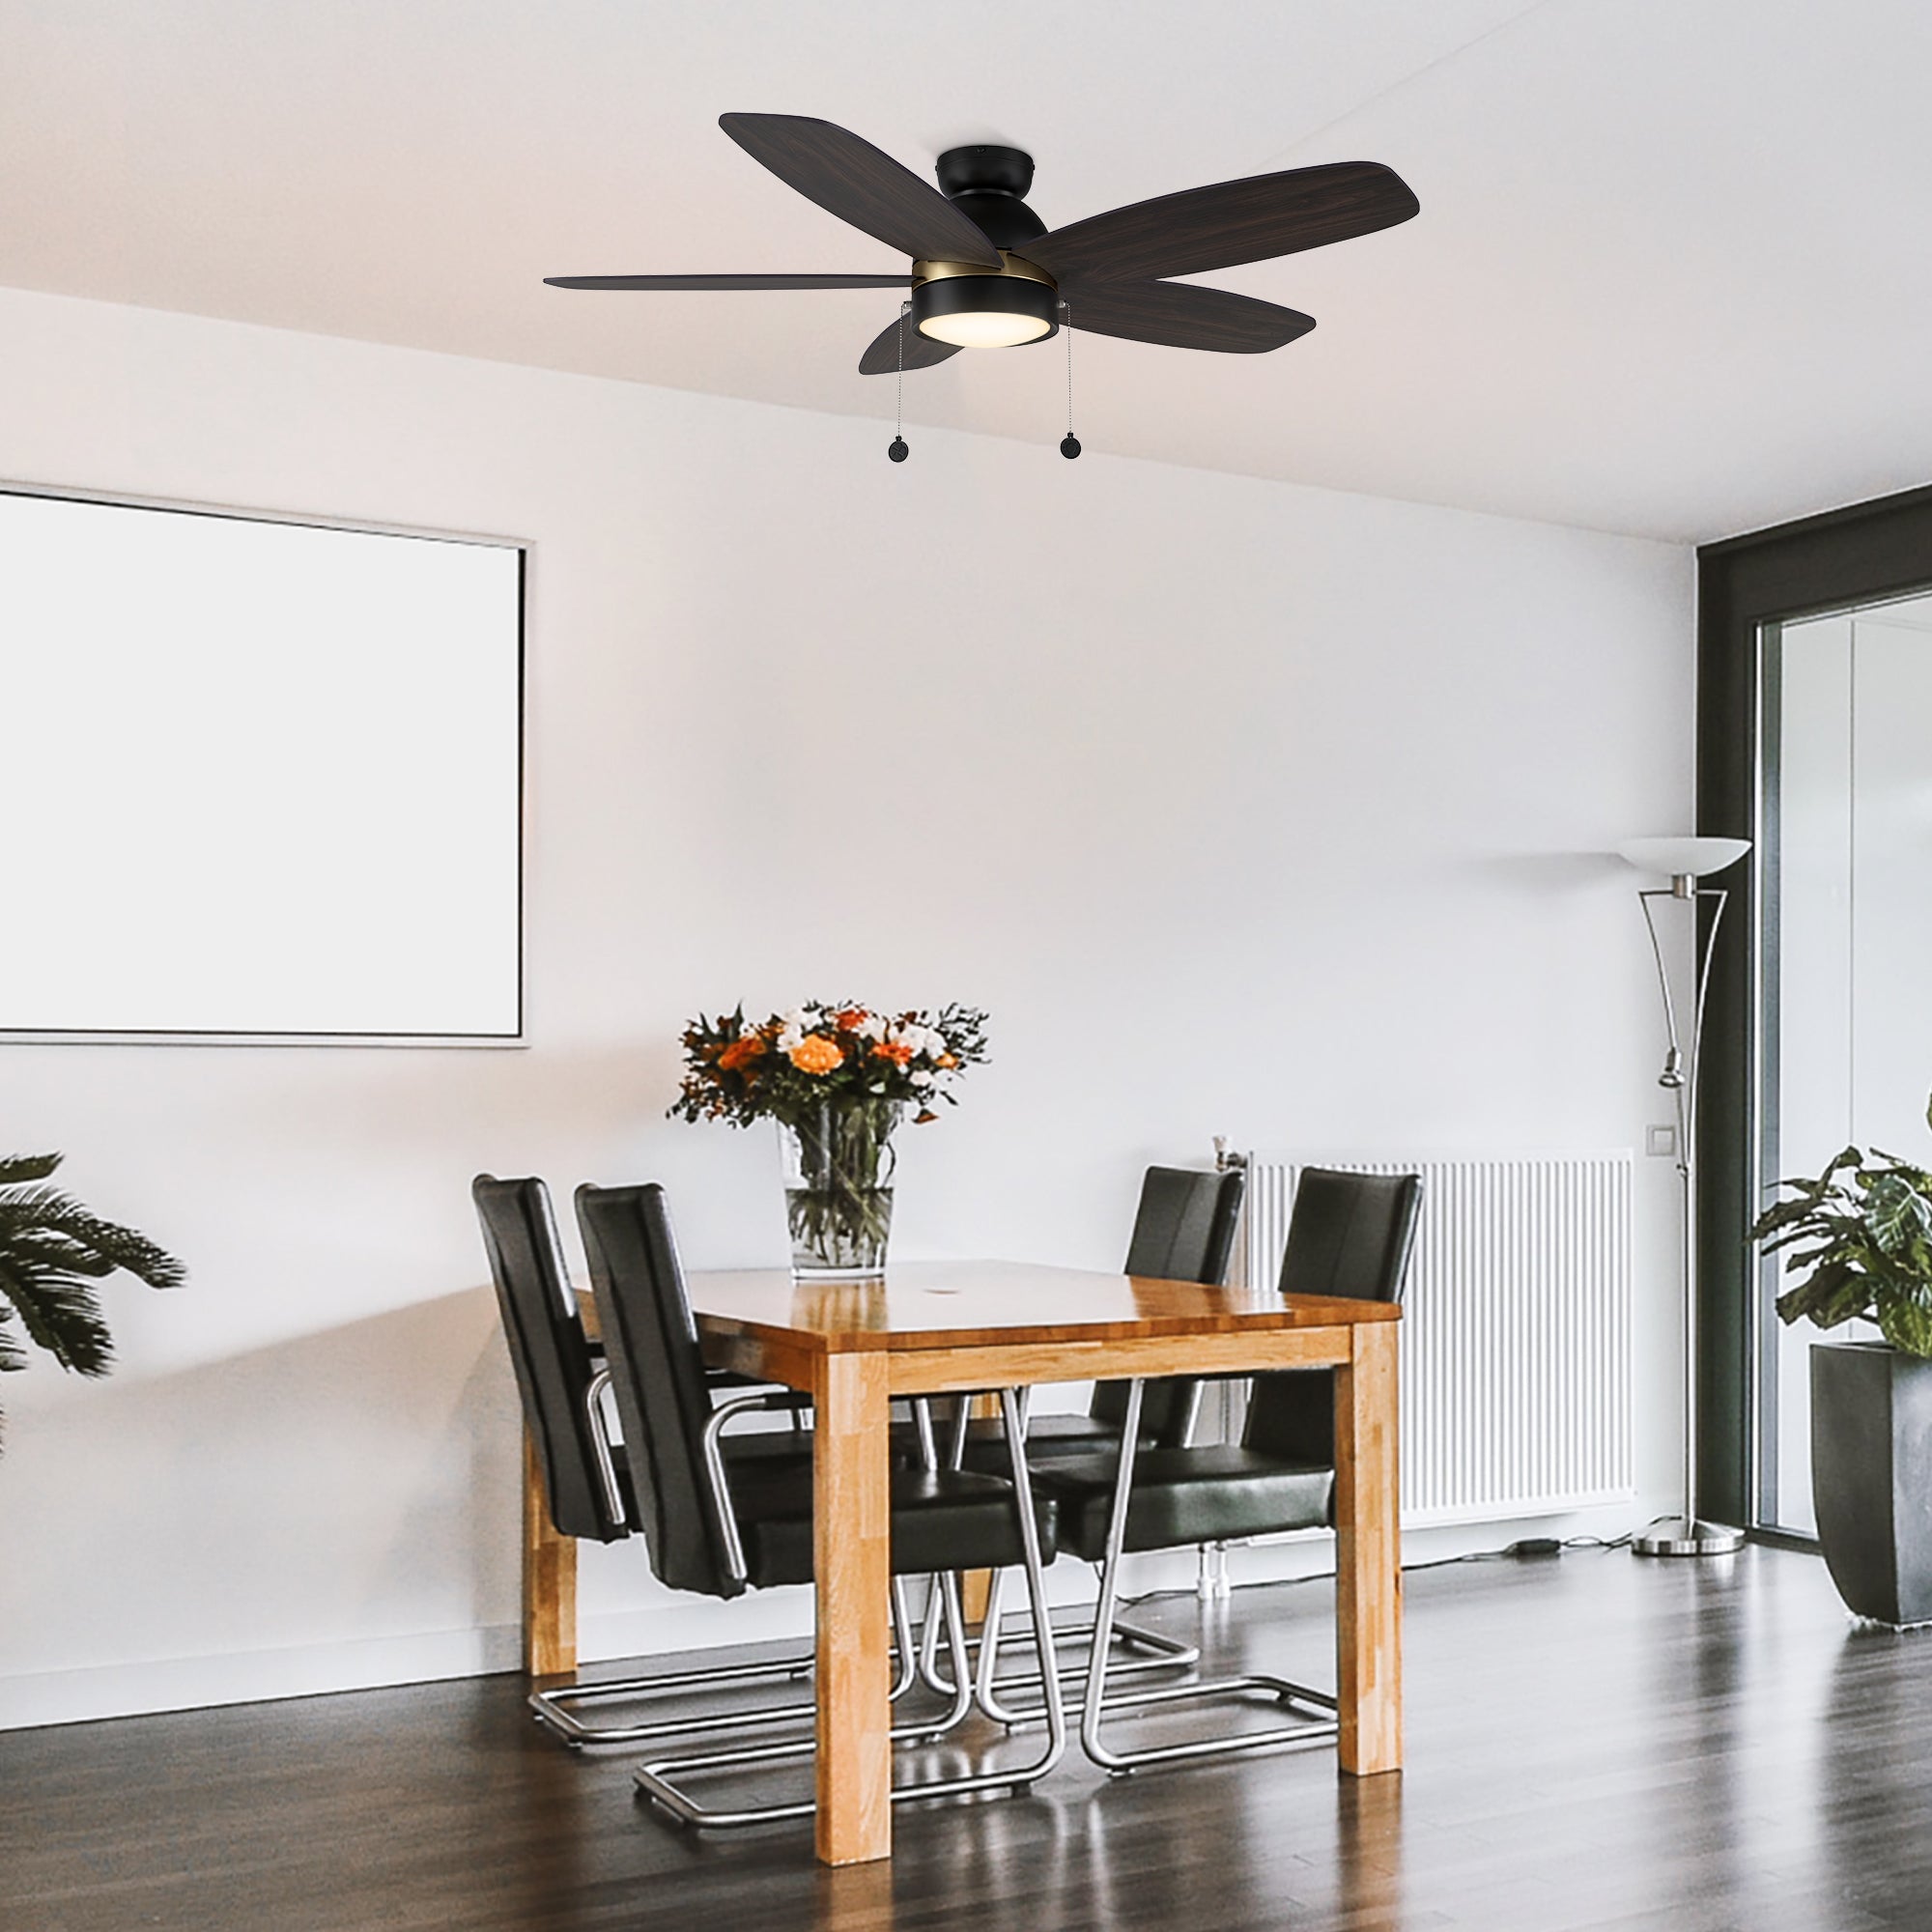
<point x="1686" y="860"/>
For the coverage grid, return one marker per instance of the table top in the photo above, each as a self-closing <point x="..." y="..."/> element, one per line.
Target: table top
<point x="981" y="1304"/>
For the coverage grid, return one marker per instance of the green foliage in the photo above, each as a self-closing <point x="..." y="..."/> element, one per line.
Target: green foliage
<point x="1861" y="1234"/>
<point x="52" y="1251"/>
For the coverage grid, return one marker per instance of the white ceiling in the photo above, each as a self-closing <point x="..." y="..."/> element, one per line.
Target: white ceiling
<point x="1671" y="276"/>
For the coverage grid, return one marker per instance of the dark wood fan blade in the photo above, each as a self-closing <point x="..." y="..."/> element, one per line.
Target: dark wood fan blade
<point x="1182" y="317"/>
<point x="727" y="281"/>
<point x="1201" y="229"/>
<point x="856" y="182"/>
<point x="922" y="351"/>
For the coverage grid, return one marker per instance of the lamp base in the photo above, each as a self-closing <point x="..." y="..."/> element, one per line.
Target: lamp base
<point x="1674" y="1536"/>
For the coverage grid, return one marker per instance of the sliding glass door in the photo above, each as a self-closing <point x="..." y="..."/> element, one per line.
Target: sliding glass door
<point x="1844" y="898"/>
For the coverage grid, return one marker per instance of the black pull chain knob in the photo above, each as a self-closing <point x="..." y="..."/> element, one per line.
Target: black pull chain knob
<point x="1070" y="447"/>
<point x="897" y="448"/>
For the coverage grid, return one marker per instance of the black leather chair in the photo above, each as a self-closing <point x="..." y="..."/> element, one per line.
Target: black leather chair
<point x="1183" y="1230"/>
<point x="561" y="1380"/>
<point x="719" y="1530"/>
<point x="551" y="1356"/>
<point x="1348" y="1235"/>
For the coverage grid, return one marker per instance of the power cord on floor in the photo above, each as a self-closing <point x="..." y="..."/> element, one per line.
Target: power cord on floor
<point x="1526" y="1549"/>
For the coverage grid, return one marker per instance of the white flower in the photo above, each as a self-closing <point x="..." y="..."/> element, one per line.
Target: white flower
<point x="920" y="1077"/>
<point x="871" y="1028"/>
<point x="797" y="1023"/>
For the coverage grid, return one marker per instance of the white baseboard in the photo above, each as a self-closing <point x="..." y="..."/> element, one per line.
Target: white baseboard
<point x="250" y="1677"/>
<point x="693" y="1623"/>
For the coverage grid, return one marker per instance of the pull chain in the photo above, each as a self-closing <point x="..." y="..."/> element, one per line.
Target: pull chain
<point x="897" y="448"/>
<point x="1071" y="445"/>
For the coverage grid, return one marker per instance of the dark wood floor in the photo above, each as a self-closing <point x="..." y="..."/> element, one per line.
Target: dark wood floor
<point x="1598" y="1741"/>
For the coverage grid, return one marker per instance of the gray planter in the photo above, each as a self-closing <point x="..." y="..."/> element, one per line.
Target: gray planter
<point x="1871" y="1476"/>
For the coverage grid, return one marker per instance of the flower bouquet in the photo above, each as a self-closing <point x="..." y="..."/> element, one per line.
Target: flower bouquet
<point x="836" y="1077"/>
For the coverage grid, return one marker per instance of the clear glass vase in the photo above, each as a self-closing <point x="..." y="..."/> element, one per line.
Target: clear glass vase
<point x="839" y="1164"/>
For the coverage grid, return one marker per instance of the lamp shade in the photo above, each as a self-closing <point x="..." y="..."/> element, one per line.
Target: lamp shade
<point x="1687" y="858"/>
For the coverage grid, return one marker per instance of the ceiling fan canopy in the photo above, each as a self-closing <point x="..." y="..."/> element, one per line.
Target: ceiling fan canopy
<point x="985" y="272"/>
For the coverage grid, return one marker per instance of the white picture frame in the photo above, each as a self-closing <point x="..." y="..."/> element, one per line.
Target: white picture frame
<point x="261" y="777"/>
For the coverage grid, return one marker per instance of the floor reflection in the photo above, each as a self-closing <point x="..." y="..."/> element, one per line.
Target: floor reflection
<point x="1593" y="1743"/>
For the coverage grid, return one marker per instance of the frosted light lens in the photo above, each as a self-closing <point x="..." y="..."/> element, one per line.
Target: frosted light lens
<point x="984" y="328"/>
<point x="1683" y="858"/>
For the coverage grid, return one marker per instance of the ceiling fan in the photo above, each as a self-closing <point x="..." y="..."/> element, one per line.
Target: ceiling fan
<point x="988" y="273"/>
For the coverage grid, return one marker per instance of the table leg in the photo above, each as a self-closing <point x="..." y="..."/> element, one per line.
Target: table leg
<point x="851" y="1556"/>
<point x="550" y="1582"/>
<point x="1368" y="1554"/>
<point x="975" y="1586"/>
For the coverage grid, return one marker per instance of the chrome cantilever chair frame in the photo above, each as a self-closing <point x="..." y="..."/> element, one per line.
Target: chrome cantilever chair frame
<point x="1162" y="1653"/>
<point x="1158" y="1652"/>
<point x="1184" y="1227"/>
<point x="553" y="1708"/>
<point x="659" y="1780"/>
<point x="1349" y="1235"/>
<point x="1321" y="1726"/>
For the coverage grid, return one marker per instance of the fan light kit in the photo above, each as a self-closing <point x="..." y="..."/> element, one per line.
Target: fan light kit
<point x="987" y="272"/>
<point x="973" y="310"/>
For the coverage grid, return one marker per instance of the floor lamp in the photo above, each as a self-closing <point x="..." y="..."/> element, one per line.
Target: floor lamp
<point x="1683" y="862"/>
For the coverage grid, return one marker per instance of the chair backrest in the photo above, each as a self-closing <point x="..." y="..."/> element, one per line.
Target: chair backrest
<point x="1348" y="1235"/>
<point x="548" y="1349"/>
<point x="1185" y="1227"/>
<point x="657" y="1376"/>
<point x="1183" y="1230"/>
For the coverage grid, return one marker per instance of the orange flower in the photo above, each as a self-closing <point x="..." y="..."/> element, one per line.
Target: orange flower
<point x="897" y="1051"/>
<point x="946" y="1060"/>
<point x="815" y="1054"/>
<point x="746" y="1048"/>
<point x="850" y="1019"/>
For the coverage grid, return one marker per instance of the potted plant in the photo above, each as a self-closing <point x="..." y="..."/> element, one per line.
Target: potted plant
<point x="1860" y="1235"/>
<point x="835" y="1076"/>
<point x="52" y="1251"/>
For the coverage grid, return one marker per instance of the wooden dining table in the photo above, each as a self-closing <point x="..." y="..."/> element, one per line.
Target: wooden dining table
<point x="937" y="1327"/>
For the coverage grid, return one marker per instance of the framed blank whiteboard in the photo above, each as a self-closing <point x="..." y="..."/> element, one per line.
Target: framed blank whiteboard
<point x="260" y="779"/>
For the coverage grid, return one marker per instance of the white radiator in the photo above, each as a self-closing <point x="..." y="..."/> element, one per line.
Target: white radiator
<point x="1515" y="1333"/>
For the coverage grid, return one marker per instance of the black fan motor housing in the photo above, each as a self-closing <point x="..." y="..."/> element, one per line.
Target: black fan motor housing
<point x="985" y="170"/>
<point x="988" y="186"/>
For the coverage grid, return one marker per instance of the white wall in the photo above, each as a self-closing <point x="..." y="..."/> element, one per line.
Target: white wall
<point x="1244" y="808"/>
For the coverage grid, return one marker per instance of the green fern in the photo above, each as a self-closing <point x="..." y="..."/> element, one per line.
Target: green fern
<point x="52" y="1251"/>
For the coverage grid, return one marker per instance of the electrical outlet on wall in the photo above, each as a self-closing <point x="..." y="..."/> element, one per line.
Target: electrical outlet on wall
<point x="1660" y="1141"/>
